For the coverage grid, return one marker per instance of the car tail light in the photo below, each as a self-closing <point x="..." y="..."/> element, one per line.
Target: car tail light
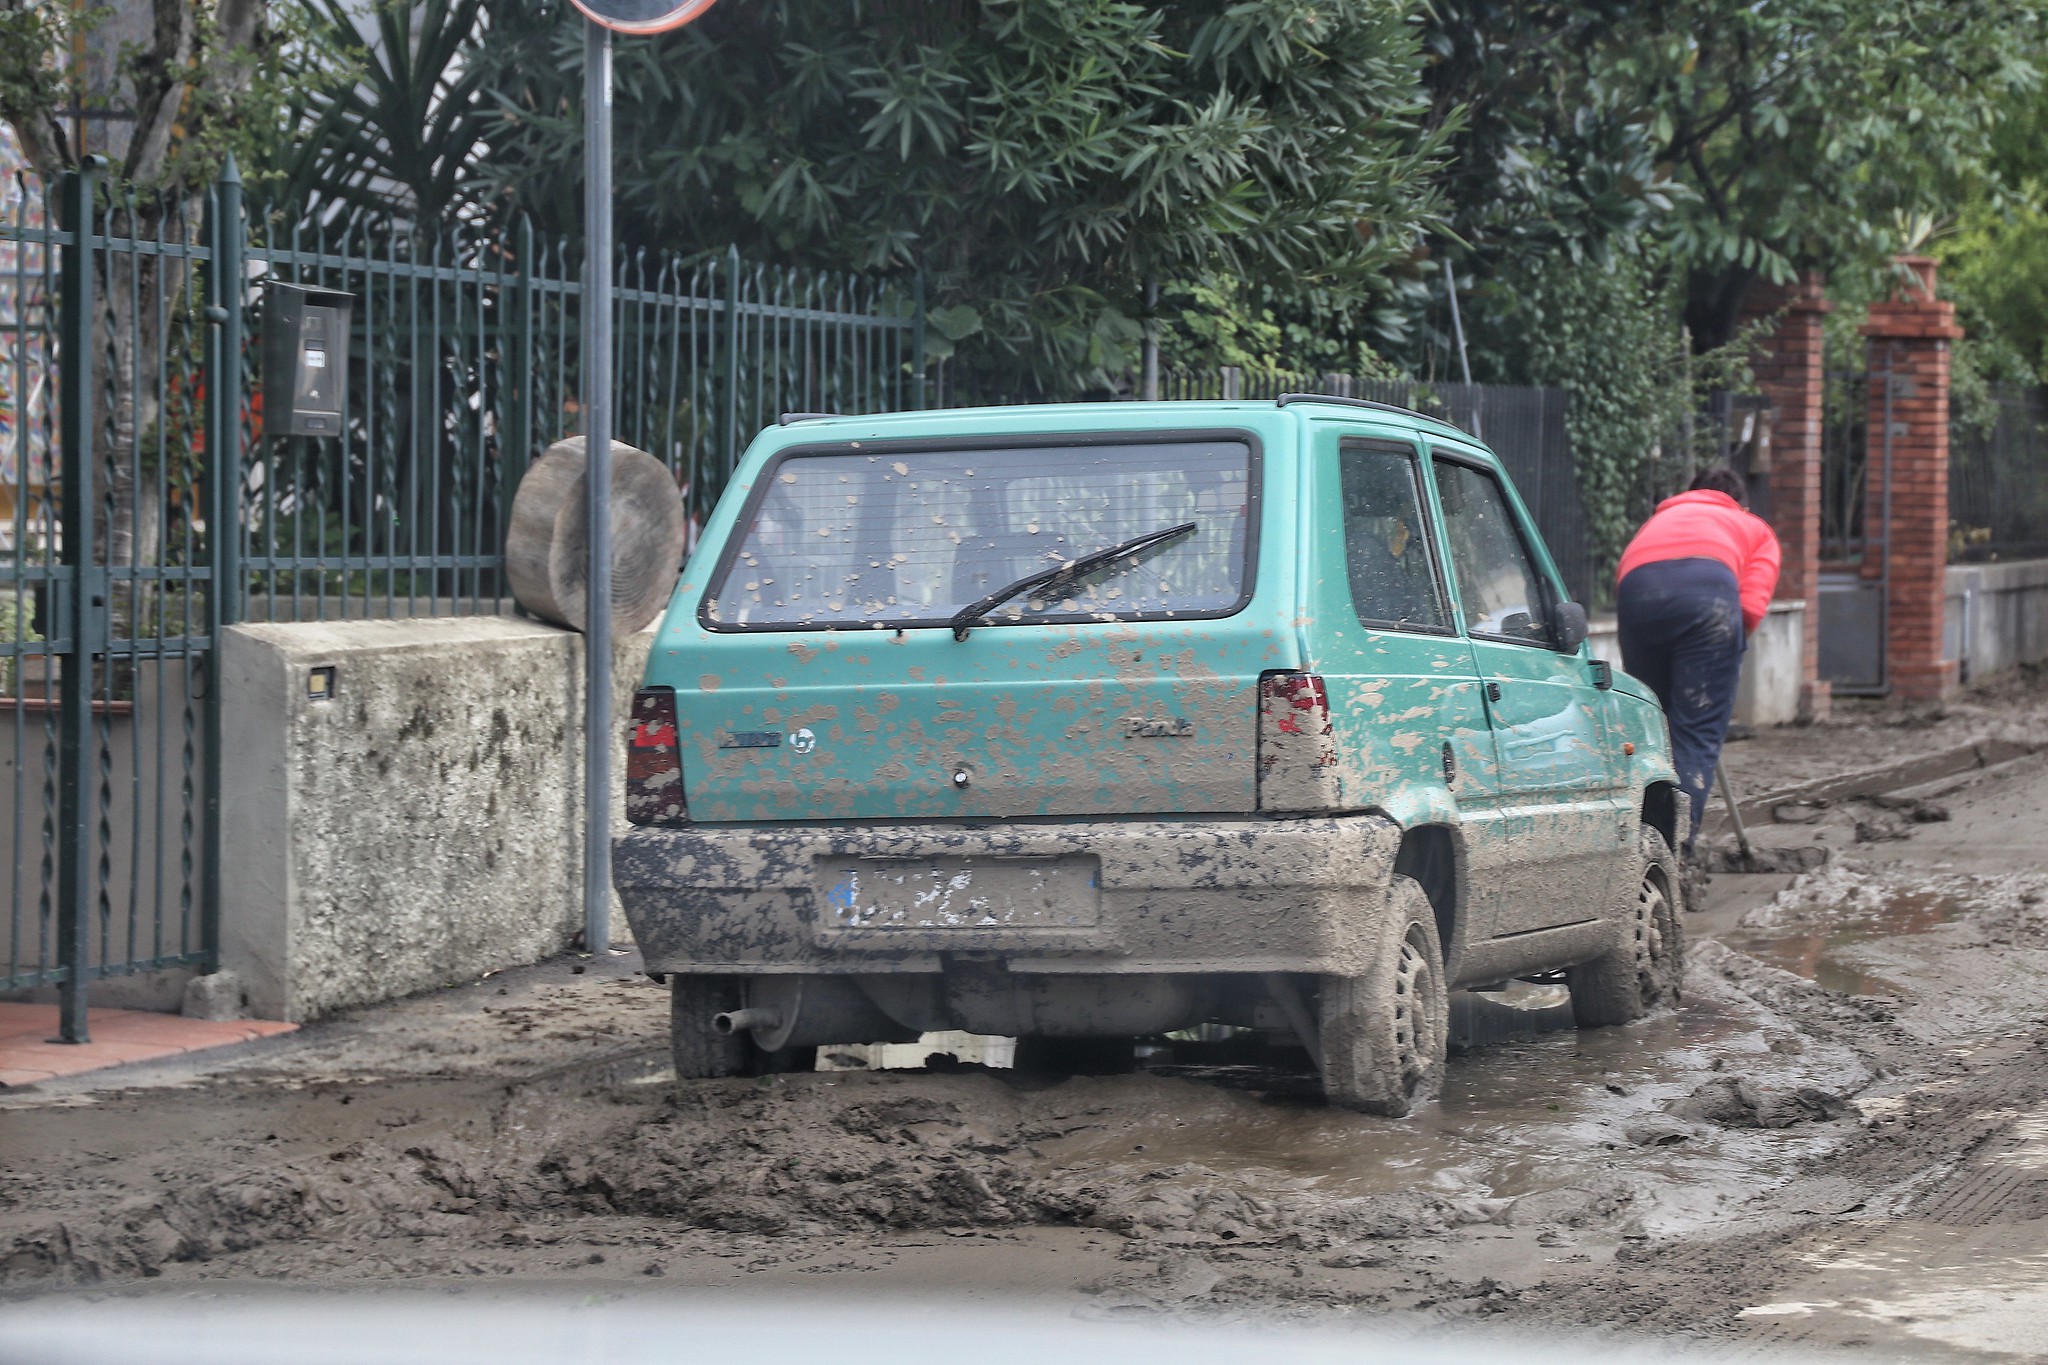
<point x="1297" y="746"/>
<point x="654" y="761"/>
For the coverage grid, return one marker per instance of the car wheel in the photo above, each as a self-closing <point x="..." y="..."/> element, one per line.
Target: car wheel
<point x="700" y="1051"/>
<point x="1646" y="969"/>
<point x="1383" y="1035"/>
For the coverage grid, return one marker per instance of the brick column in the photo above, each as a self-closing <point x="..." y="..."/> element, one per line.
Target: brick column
<point x="1788" y="367"/>
<point x="1909" y="337"/>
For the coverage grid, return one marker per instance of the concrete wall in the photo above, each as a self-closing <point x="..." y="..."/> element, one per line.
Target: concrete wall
<point x="1771" y="669"/>
<point x="1996" y="616"/>
<point x="420" y="827"/>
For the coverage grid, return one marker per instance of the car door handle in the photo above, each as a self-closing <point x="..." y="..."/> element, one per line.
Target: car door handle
<point x="1493" y="691"/>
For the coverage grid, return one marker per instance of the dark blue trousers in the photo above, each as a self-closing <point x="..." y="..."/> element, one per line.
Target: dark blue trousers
<point x="1681" y="632"/>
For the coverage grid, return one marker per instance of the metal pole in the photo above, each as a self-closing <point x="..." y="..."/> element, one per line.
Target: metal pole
<point x="82" y="612"/>
<point x="917" y="343"/>
<point x="1151" y="389"/>
<point x="225" y="286"/>
<point x="1457" y="321"/>
<point x="597" y="480"/>
<point x="1464" y="360"/>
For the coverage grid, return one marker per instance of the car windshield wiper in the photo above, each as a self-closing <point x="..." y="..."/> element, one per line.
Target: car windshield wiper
<point x="967" y="616"/>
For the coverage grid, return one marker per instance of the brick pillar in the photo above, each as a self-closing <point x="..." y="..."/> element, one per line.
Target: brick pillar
<point x="1909" y="336"/>
<point x="1788" y="367"/>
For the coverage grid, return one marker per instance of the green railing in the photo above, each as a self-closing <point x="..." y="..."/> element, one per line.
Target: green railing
<point x="465" y="363"/>
<point x="131" y="358"/>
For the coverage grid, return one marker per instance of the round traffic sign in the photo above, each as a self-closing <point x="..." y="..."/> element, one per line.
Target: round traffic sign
<point x="642" y="16"/>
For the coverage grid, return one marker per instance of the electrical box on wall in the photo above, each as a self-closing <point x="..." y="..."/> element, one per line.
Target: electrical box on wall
<point x="305" y="359"/>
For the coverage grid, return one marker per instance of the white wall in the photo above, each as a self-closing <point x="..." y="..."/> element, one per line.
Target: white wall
<point x="1769" y="692"/>
<point x="1997" y="616"/>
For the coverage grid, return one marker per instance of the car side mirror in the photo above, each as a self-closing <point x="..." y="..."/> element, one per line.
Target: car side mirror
<point x="1568" y="625"/>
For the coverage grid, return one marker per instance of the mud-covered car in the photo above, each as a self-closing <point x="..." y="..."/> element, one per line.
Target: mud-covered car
<point x="1083" y="724"/>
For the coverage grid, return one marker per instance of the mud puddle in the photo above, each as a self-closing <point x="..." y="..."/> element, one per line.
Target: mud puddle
<point x="1961" y="957"/>
<point x="1828" y="955"/>
<point x="1553" y="1149"/>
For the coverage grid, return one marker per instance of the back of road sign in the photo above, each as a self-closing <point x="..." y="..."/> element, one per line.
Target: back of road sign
<point x="642" y="16"/>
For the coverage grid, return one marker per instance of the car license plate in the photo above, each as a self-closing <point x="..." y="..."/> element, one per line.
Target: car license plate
<point x="960" y="893"/>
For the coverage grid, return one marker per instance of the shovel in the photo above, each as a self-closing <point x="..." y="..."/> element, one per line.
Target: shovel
<point x="1734" y="812"/>
<point x="1747" y="859"/>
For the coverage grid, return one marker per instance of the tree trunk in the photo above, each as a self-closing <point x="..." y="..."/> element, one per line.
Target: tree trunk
<point x="183" y="83"/>
<point x="1713" y="304"/>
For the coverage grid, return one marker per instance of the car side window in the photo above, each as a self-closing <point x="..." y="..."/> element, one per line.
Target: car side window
<point x="1499" y="589"/>
<point x="1387" y="554"/>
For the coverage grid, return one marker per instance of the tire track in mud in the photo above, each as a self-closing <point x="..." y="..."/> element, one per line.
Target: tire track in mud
<point x="451" y="1166"/>
<point x="456" y="1165"/>
<point x="791" y="1156"/>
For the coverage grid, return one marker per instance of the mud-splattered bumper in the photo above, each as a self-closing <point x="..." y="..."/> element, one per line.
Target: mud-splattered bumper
<point x="1250" y="895"/>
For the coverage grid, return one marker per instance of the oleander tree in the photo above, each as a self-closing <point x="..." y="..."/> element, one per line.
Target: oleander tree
<point x="1039" y="161"/>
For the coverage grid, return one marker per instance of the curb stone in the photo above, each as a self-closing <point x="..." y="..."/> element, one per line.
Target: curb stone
<point x="1975" y="756"/>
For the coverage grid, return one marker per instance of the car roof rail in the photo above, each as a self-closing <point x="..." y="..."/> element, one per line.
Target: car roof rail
<point x="789" y="417"/>
<point x="1284" y="399"/>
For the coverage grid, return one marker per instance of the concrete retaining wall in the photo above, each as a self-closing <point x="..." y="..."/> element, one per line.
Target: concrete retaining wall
<point x="1769" y="693"/>
<point x="419" y="827"/>
<point x="1996" y="616"/>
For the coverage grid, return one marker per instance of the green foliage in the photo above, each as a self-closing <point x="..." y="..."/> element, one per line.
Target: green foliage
<point x="1207" y="325"/>
<point x="1039" y="160"/>
<point x="1995" y="261"/>
<point x="1744" y="140"/>
<point x="17" y="627"/>
<point x="1810" y="132"/>
<point x="391" y="120"/>
<point x="1610" y="335"/>
<point x="32" y="36"/>
<point x="1550" y="154"/>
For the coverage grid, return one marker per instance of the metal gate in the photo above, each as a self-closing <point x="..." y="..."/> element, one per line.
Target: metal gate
<point x="143" y="507"/>
<point x="1855" y="529"/>
<point x="104" y="594"/>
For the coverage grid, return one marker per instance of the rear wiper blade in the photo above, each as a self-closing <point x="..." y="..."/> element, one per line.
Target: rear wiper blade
<point x="1062" y="574"/>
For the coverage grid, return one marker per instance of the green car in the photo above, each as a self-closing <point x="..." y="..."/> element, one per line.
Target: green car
<point x="1082" y="724"/>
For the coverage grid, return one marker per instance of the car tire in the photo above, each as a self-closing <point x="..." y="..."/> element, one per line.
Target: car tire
<point x="1383" y="1036"/>
<point x="1646" y="970"/>
<point x="700" y="1051"/>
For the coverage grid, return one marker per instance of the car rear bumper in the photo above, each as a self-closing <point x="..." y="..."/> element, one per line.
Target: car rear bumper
<point x="1206" y="895"/>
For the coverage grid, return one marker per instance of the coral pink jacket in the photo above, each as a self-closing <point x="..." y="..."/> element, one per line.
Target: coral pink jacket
<point x="1710" y="525"/>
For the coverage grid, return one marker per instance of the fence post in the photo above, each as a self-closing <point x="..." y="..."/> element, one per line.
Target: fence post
<point x="731" y="442"/>
<point x="78" y="620"/>
<point x="222" y="500"/>
<point x="227" y="466"/>
<point x="917" y="392"/>
<point x="518" y="452"/>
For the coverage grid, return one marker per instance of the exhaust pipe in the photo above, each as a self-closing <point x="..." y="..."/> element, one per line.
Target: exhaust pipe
<point x="803" y="1011"/>
<point x="747" y="1020"/>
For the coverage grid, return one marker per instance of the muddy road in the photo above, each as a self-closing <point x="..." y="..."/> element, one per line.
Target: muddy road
<point x="1839" y="1140"/>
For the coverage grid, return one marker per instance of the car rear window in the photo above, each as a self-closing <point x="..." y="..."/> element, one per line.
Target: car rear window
<point x="851" y="539"/>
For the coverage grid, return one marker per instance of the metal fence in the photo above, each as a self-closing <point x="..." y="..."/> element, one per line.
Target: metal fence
<point x="105" y="577"/>
<point x="466" y="365"/>
<point x="147" y="506"/>
<point x="1998" y="478"/>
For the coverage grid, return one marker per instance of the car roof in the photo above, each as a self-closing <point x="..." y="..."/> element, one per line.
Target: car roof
<point x="1117" y="415"/>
